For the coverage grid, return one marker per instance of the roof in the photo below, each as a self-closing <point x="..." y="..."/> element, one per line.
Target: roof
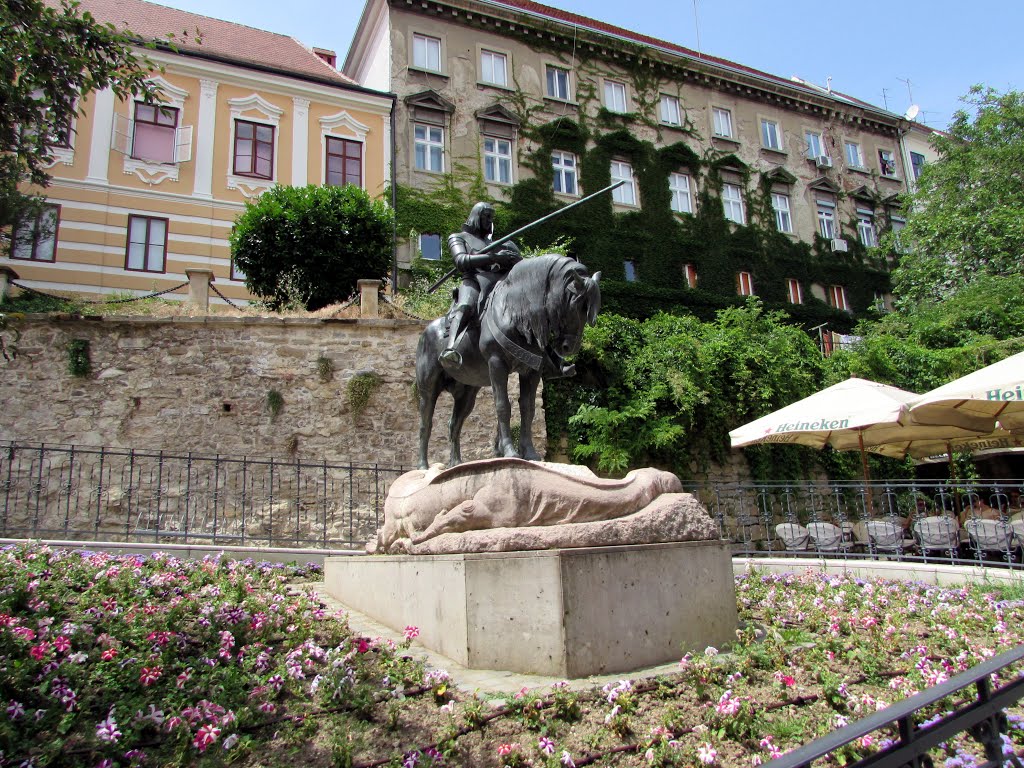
<point x="217" y="39"/>
<point x="609" y="29"/>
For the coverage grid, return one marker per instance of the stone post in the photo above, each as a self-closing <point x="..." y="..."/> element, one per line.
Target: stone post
<point x="199" y="287"/>
<point x="368" y="290"/>
<point x="6" y="276"/>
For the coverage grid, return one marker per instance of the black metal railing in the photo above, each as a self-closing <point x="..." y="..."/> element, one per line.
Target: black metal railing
<point x="111" y="494"/>
<point x="983" y="716"/>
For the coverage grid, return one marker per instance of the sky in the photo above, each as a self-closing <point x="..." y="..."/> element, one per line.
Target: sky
<point x="891" y="53"/>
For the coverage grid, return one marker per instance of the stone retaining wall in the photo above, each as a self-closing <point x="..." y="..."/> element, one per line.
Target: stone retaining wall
<point x="201" y="384"/>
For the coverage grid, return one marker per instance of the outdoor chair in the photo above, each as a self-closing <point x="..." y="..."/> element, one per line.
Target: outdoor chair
<point x="794" y="536"/>
<point x="885" y="537"/>
<point x="991" y="536"/>
<point x="938" y="534"/>
<point x="1017" y="526"/>
<point x="826" y="537"/>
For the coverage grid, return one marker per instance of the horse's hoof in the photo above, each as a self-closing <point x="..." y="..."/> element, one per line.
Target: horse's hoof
<point x="532" y="456"/>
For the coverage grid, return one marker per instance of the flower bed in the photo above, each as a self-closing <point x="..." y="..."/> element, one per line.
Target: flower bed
<point x="125" y="660"/>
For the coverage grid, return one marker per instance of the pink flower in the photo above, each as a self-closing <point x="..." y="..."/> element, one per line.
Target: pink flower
<point x="15" y="710"/>
<point x="206" y="736"/>
<point x="106" y="730"/>
<point x="506" y="749"/>
<point x="411" y="632"/>
<point x="109" y="654"/>
<point x="38" y="652"/>
<point x="62" y="644"/>
<point x="707" y="754"/>
<point x="364" y="645"/>
<point x="150" y="675"/>
<point x="546" y="745"/>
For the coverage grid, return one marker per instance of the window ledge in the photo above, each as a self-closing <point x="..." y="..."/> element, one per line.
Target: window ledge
<point x="889" y="177"/>
<point x="249" y="186"/>
<point x="424" y="71"/>
<point x="150" y="173"/>
<point x="65" y="155"/>
<point x="725" y="139"/>
<point x="556" y="100"/>
<point x="675" y="126"/>
<point x="498" y="86"/>
<point x="858" y="169"/>
<point x="565" y="196"/>
<point x="773" y="151"/>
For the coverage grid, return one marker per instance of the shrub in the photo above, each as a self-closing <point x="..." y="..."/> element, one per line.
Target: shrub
<point x="305" y="247"/>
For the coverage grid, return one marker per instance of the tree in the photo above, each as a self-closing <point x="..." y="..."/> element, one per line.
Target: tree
<point x="307" y="246"/>
<point x="965" y="218"/>
<point x="50" y="56"/>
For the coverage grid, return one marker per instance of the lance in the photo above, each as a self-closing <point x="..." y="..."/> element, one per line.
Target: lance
<point x="502" y="240"/>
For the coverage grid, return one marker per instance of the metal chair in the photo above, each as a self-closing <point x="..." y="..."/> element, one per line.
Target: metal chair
<point x="826" y="537"/>
<point x="992" y="536"/>
<point x="794" y="536"/>
<point x="938" y="534"/>
<point x="885" y="537"/>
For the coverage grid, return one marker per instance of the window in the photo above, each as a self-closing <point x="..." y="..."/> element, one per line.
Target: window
<point x="783" y="219"/>
<point x="35" y="237"/>
<point x="155" y="131"/>
<point x="917" y="163"/>
<point x="254" y="149"/>
<point x="881" y="302"/>
<point x="679" y="186"/>
<point x="690" y="275"/>
<point x="564" y="166"/>
<point x="722" y="122"/>
<point x="815" y="146"/>
<point x="147" y="244"/>
<point x="236" y="272"/>
<point x="626" y="194"/>
<point x="614" y="96"/>
<point x="866" y="227"/>
<point x="497" y="160"/>
<point x="887" y="163"/>
<point x="344" y="162"/>
<point x="837" y="297"/>
<point x="794" y="291"/>
<point x="670" y="112"/>
<point x="558" y="83"/>
<point x="854" y="157"/>
<point x="630" y="267"/>
<point x="430" y="246"/>
<point x="898" y="224"/>
<point x="771" y="135"/>
<point x="492" y="68"/>
<point x="426" y="52"/>
<point x="744" y="284"/>
<point x="732" y="203"/>
<point x="429" y="147"/>
<point x="827" y="219"/>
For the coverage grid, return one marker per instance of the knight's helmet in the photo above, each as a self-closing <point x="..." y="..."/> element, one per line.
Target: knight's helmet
<point x="473" y="224"/>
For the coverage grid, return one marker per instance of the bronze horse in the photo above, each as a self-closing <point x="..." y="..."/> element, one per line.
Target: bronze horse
<point x="532" y="319"/>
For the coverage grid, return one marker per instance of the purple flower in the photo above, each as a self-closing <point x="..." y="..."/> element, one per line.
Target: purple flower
<point x="546" y="745"/>
<point x="107" y="730"/>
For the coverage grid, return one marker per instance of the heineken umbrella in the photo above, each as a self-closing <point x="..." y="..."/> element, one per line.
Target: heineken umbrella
<point x="984" y="400"/>
<point x="935" y="451"/>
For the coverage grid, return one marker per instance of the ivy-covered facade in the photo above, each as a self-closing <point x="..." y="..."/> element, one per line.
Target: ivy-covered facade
<point x="737" y="182"/>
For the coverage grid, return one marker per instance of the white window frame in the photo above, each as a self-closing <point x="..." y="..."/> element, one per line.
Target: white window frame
<point x="897" y="225"/>
<point x="490" y="72"/>
<point x="682" y="196"/>
<point x="732" y="203"/>
<point x="744" y="284"/>
<point x="154" y="173"/>
<point x="564" y="165"/>
<point x="722" y="122"/>
<point x="671" y="112"/>
<point x="837" y="298"/>
<point x="615" y="97"/>
<point x="826" y="212"/>
<point x="866" y="232"/>
<point x="626" y="194"/>
<point x="629" y="267"/>
<point x="690" y="275"/>
<point x="890" y="161"/>
<point x="422" y="45"/>
<point x="497" y="160"/>
<point x="561" y="77"/>
<point x="771" y="134"/>
<point x="916" y="168"/>
<point x="783" y="212"/>
<point x="815" y="144"/>
<point x="254" y="109"/>
<point x="440" y="246"/>
<point x="428" y="142"/>
<point x="854" y="154"/>
<point x="794" y="291"/>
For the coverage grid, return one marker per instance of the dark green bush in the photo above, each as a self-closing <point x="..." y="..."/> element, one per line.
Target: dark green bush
<point x="305" y="247"/>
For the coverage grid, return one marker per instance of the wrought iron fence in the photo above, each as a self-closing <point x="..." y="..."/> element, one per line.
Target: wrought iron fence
<point x="980" y="522"/>
<point x="110" y="494"/>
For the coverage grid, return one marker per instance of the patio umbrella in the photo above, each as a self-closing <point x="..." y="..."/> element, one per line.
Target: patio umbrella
<point x="990" y="397"/>
<point x="935" y="451"/>
<point x="853" y="414"/>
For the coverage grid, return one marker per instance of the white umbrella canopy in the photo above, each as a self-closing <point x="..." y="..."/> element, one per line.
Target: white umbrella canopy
<point x="934" y="451"/>
<point x="990" y="397"/>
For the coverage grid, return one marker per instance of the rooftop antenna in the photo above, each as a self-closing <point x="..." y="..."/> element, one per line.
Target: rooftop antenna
<point x="828" y="83"/>
<point x="885" y="98"/>
<point x="909" y="92"/>
<point x="696" y="26"/>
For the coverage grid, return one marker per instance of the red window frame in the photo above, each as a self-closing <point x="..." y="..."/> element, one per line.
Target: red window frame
<point x="837" y="297"/>
<point x="253" y="128"/>
<point x="347" y="150"/>
<point x="147" y="243"/>
<point x="744" y="284"/>
<point x="794" y="291"/>
<point x="690" y="275"/>
<point x="159" y="116"/>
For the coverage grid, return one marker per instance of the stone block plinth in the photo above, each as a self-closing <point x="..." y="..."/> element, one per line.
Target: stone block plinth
<point x="567" y="613"/>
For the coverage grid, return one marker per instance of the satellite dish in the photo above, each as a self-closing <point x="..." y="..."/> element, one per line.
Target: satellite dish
<point x="912" y="111"/>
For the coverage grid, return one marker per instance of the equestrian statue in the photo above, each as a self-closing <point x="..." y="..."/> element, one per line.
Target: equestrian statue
<point x="509" y="315"/>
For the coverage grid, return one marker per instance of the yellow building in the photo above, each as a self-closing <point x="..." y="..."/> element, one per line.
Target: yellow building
<point x="141" y="193"/>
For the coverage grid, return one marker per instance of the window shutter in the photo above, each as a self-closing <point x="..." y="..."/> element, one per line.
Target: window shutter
<point x="121" y="134"/>
<point x="183" y="144"/>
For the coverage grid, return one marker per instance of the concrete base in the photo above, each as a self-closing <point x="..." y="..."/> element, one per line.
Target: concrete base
<point x="565" y="613"/>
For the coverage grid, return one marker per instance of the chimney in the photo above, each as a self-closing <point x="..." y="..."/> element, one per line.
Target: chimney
<point x="329" y="56"/>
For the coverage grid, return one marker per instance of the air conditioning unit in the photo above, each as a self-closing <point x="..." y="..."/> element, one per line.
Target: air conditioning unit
<point x="839" y="245"/>
<point x="823" y="161"/>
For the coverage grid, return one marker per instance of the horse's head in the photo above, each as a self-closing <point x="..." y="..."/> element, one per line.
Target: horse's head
<point x="581" y="304"/>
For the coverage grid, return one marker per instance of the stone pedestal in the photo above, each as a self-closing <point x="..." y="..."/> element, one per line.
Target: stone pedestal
<point x="564" y="613"/>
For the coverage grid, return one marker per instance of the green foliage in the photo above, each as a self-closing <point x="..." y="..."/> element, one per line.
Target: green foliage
<point x="51" y="54"/>
<point x="307" y="246"/>
<point x="965" y="218"/>
<point x="79" y="362"/>
<point x="360" y="389"/>
<point x="275" y="402"/>
<point x="324" y="368"/>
